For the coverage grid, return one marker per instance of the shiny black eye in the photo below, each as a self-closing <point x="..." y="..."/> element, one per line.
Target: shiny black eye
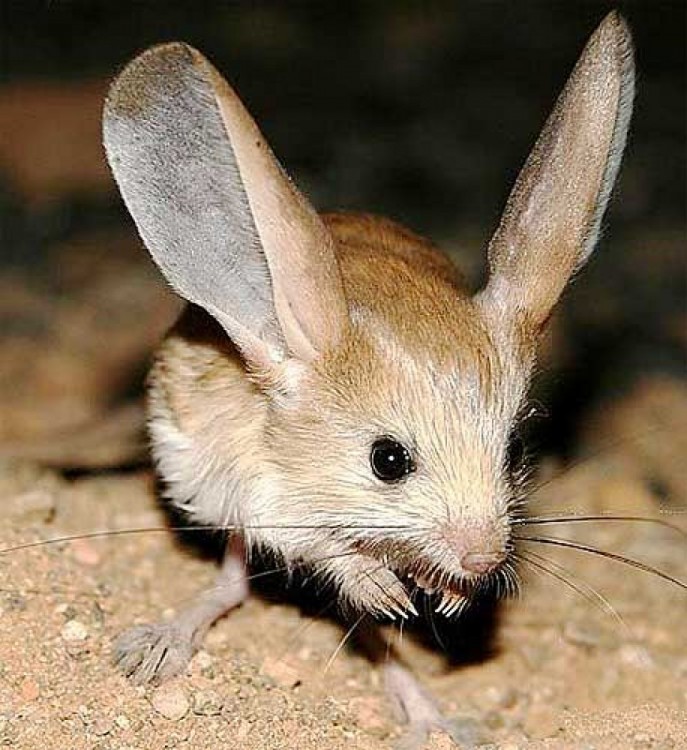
<point x="516" y="454"/>
<point x="390" y="460"/>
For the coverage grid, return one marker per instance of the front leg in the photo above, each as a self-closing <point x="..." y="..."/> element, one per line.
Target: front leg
<point x="368" y="586"/>
<point x="153" y="653"/>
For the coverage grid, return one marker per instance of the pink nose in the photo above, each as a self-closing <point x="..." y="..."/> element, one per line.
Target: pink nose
<point x="480" y="563"/>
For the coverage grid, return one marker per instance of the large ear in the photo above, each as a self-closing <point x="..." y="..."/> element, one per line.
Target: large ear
<point x="221" y="219"/>
<point x="553" y="215"/>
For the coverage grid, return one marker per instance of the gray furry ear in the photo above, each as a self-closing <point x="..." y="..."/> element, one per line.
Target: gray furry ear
<point x="552" y="219"/>
<point x="221" y="219"/>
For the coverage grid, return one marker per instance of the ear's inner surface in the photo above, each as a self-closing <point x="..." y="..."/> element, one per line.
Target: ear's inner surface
<point x="552" y="218"/>
<point x="298" y="246"/>
<point x="220" y="218"/>
<point x="179" y="177"/>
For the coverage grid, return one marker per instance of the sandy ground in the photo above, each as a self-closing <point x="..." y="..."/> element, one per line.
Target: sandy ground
<point x="81" y="308"/>
<point x="563" y="671"/>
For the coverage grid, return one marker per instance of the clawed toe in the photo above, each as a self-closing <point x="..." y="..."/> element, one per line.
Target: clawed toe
<point x="153" y="653"/>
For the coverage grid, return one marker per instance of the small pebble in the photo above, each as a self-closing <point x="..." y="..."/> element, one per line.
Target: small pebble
<point x="582" y="634"/>
<point x="542" y="722"/>
<point x="243" y="730"/>
<point x="170" y="701"/>
<point x="122" y="721"/>
<point x="636" y="656"/>
<point x="500" y="697"/>
<point x="203" y="664"/>
<point x="217" y="637"/>
<point x="29" y="690"/>
<point x="74" y="631"/>
<point x="37" y="506"/>
<point x="101" y="726"/>
<point x="541" y="693"/>
<point x="202" y="660"/>
<point x="15" y="602"/>
<point x="282" y="671"/>
<point x="440" y="741"/>
<point x="85" y="553"/>
<point x="494" y="720"/>
<point x="369" y="713"/>
<point x="207" y="703"/>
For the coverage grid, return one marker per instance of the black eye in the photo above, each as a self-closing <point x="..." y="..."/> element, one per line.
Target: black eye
<point x="516" y="453"/>
<point x="390" y="460"/>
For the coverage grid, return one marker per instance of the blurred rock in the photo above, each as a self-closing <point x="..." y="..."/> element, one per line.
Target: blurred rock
<point x="644" y="433"/>
<point x="29" y="493"/>
<point x="74" y="350"/>
<point x="50" y="139"/>
<point x="283" y="671"/>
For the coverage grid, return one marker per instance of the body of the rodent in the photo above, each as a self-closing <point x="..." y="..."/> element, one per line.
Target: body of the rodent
<point x="335" y="394"/>
<point x="290" y="468"/>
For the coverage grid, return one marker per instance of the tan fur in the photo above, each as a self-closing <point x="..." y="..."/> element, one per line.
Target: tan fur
<point x="419" y="363"/>
<point x="315" y="336"/>
<point x="552" y="218"/>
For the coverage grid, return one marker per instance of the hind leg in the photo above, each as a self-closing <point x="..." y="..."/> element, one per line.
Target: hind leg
<point x="153" y="653"/>
<point x="421" y="714"/>
<point x="414" y="705"/>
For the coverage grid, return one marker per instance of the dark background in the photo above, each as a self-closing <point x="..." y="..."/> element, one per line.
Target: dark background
<point x="422" y="111"/>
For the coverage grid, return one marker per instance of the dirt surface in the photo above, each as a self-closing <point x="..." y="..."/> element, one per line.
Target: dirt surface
<point x="569" y="669"/>
<point x="423" y="117"/>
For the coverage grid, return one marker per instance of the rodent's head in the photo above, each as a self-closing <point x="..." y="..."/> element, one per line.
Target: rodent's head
<point x="387" y="365"/>
<point x="397" y="442"/>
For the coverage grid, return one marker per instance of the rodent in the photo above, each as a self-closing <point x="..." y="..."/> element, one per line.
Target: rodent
<point x="334" y="392"/>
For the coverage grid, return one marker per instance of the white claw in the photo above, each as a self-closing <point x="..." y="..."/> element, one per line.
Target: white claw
<point x="403" y="608"/>
<point x="450" y="604"/>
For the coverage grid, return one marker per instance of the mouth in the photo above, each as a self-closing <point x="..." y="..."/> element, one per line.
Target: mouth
<point x="450" y="590"/>
<point x="452" y="593"/>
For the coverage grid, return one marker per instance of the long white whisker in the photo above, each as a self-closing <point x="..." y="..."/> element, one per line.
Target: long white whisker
<point x="565" y="543"/>
<point x="584" y="589"/>
<point x="343" y="641"/>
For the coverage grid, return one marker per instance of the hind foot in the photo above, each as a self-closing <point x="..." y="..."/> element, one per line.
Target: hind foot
<point x="153" y="653"/>
<point x="422" y="715"/>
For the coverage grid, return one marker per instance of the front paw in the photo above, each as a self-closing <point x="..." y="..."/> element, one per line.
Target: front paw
<point x="153" y="653"/>
<point x="370" y="587"/>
